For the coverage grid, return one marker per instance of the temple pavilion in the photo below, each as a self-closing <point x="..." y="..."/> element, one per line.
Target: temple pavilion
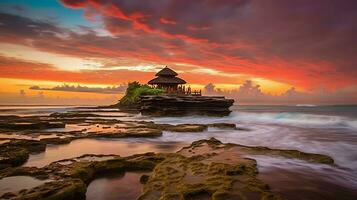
<point x="167" y="79"/>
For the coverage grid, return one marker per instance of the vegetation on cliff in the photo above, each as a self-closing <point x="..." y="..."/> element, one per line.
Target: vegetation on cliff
<point x="135" y="90"/>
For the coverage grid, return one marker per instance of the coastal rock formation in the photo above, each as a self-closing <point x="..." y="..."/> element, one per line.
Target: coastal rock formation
<point x="33" y="126"/>
<point x="68" y="179"/>
<point x="206" y="169"/>
<point x="209" y="169"/>
<point x="183" y="105"/>
<point x="15" y="152"/>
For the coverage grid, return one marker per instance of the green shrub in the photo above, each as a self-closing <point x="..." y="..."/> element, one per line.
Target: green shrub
<point x="135" y="90"/>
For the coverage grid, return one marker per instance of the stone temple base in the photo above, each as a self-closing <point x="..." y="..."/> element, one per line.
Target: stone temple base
<point x="176" y="105"/>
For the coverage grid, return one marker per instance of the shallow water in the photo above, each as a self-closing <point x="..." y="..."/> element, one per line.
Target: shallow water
<point x="115" y="186"/>
<point x="17" y="183"/>
<point x="122" y="147"/>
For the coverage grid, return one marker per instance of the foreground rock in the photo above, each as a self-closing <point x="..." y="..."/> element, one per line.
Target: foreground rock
<point x="68" y="179"/>
<point x="16" y="152"/>
<point x="207" y="169"/>
<point x="163" y="105"/>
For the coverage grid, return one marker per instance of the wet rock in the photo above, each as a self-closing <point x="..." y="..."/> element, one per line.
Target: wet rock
<point x="144" y="179"/>
<point x="181" y="127"/>
<point x="16" y="152"/>
<point x="253" y="150"/>
<point x="164" y="105"/>
<point x="206" y="169"/>
<point x="210" y="169"/>
<point x="73" y="115"/>
<point x="129" y="132"/>
<point x="69" y="181"/>
<point x="71" y="189"/>
<point x="223" y="125"/>
<point x="31" y="125"/>
<point x="295" y="154"/>
<point x="181" y="177"/>
<point x="12" y="156"/>
<point x="58" y="140"/>
<point x="30" y="145"/>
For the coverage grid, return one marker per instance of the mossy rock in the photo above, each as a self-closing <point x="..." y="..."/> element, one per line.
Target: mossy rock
<point x="30" y="145"/>
<point x="180" y="177"/>
<point x="69" y="189"/>
<point x="205" y="169"/>
<point x="13" y="156"/>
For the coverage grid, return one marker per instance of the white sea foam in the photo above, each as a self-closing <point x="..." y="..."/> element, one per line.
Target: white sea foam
<point x="306" y="105"/>
<point x="280" y="118"/>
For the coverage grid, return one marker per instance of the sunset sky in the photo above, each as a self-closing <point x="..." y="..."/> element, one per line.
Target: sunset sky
<point x="48" y="46"/>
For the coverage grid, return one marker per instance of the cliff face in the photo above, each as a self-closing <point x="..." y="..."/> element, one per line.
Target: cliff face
<point x="184" y="105"/>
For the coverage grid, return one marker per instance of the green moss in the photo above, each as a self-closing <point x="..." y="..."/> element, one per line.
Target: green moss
<point x="71" y="189"/>
<point x="222" y="195"/>
<point x="179" y="177"/>
<point x="205" y="174"/>
<point x="135" y="90"/>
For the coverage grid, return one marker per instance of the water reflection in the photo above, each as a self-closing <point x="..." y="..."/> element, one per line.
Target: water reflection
<point x="17" y="183"/>
<point x="122" y="147"/>
<point x="115" y="186"/>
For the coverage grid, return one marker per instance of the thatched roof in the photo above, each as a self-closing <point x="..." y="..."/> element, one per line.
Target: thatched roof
<point x="167" y="80"/>
<point x="166" y="72"/>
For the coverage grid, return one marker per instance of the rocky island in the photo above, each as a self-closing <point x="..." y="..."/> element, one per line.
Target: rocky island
<point x="167" y="95"/>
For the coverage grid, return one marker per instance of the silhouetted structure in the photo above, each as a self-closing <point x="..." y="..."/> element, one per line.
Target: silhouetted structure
<point x="166" y="79"/>
<point x="180" y="99"/>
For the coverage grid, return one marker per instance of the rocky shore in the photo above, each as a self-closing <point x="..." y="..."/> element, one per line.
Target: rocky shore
<point x="206" y="169"/>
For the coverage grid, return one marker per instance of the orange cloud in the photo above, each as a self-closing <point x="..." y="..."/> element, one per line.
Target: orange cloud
<point x="218" y="35"/>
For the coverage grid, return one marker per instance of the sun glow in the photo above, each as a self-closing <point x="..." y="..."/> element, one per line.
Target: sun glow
<point x="59" y="61"/>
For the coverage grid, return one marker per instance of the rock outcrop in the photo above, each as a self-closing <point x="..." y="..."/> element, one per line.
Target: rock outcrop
<point x="206" y="169"/>
<point x="184" y="105"/>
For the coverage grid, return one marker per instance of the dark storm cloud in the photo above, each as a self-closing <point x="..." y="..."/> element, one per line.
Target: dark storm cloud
<point x="301" y="42"/>
<point x="315" y="29"/>
<point x="49" y="37"/>
<point x="28" y="28"/>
